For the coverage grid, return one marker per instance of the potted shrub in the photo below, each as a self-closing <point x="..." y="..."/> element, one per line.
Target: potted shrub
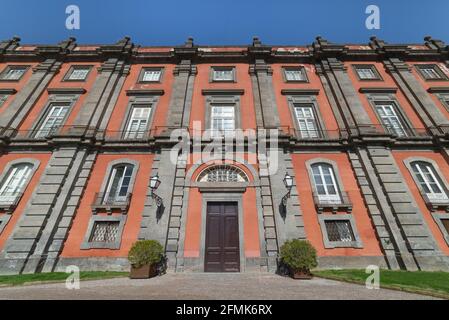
<point x="299" y="256"/>
<point x="144" y="257"/>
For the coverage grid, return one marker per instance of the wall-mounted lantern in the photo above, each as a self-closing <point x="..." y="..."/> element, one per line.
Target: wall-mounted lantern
<point x="288" y="182"/>
<point x="154" y="184"/>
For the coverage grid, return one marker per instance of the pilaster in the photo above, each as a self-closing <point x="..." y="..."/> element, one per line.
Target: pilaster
<point x="415" y="93"/>
<point x="349" y="95"/>
<point x="408" y="217"/>
<point x="267" y="115"/>
<point x="43" y="205"/>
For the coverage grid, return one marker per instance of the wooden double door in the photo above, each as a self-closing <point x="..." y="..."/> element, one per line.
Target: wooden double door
<point x="222" y="250"/>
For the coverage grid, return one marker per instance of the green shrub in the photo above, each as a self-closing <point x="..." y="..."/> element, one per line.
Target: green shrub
<point x="145" y="252"/>
<point x="298" y="255"/>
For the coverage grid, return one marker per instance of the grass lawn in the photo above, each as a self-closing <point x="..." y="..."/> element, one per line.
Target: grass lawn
<point x="423" y="282"/>
<point x="20" y="279"/>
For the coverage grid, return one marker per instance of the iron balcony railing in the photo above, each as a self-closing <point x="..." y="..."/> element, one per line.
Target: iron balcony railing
<point x="337" y="202"/>
<point x="136" y="135"/>
<point x="72" y="131"/>
<point x="107" y="202"/>
<point x="435" y="203"/>
<point x="318" y="134"/>
<point x="10" y="200"/>
<point x="306" y="136"/>
<point x="395" y="132"/>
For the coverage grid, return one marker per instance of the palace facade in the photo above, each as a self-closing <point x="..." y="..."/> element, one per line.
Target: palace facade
<point x="90" y="159"/>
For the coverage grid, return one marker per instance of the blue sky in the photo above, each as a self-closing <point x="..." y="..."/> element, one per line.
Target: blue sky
<point x="170" y="22"/>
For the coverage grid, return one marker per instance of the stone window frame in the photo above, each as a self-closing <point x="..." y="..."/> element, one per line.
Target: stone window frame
<point x="190" y="183"/>
<point x="225" y="196"/>
<point x="115" y="163"/>
<point x="86" y="244"/>
<point x="5" y="93"/>
<point x="232" y="101"/>
<point x="444" y="99"/>
<point x="436" y="67"/>
<point x="441" y="178"/>
<point x="36" y="163"/>
<point x="357" y="243"/>
<point x="142" y="72"/>
<point x="438" y="217"/>
<point x="115" y="217"/>
<point x="377" y="98"/>
<point x="378" y="77"/>
<point x="13" y="66"/>
<point x="309" y="163"/>
<point x="301" y="68"/>
<point x="217" y="68"/>
<point x="308" y="99"/>
<point x="78" y="66"/>
<point x="54" y="99"/>
<point x="152" y="100"/>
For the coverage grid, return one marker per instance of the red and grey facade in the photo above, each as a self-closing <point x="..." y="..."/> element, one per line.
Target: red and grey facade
<point x="361" y="129"/>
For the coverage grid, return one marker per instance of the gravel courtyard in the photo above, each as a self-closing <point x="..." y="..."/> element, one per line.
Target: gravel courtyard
<point x="206" y="286"/>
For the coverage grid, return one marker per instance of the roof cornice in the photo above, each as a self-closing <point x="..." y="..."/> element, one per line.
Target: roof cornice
<point x="320" y="49"/>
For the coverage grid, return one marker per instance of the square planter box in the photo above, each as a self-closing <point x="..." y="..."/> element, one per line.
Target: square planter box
<point x="301" y="275"/>
<point x="144" y="272"/>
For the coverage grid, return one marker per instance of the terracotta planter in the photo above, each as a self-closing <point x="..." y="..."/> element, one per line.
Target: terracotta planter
<point x="302" y="275"/>
<point x="144" y="272"/>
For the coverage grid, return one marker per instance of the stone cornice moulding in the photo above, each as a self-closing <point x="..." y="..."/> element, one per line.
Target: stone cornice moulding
<point x="438" y="90"/>
<point x="145" y="92"/>
<point x="8" y="91"/>
<point x="66" y="90"/>
<point x="300" y="92"/>
<point x="222" y="189"/>
<point x="319" y="49"/>
<point x="378" y="90"/>
<point x="223" y="92"/>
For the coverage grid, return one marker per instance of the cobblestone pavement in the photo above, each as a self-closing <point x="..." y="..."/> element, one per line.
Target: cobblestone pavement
<point x="206" y="286"/>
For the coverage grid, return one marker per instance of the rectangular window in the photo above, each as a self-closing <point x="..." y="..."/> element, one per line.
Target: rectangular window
<point x="119" y="183"/>
<point x="367" y="72"/>
<point x="138" y="122"/>
<point x="54" y="119"/>
<point x="431" y="72"/>
<point x="325" y="183"/>
<point x="390" y="120"/>
<point x="223" y="74"/>
<point x="295" y="74"/>
<point x="105" y="231"/>
<point x="222" y="119"/>
<point x="429" y="181"/>
<point x="339" y="230"/>
<point x="307" y="123"/>
<point x="78" y="73"/>
<point x="13" y="73"/>
<point x="151" y="75"/>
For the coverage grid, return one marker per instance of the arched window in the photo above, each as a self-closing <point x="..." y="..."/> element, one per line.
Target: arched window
<point x="14" y="182"/>
<point x="429" y="181"/>
<point x="222" y="173"/>
<point x="118" y="186"/>
<point x="325" y="183"/>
